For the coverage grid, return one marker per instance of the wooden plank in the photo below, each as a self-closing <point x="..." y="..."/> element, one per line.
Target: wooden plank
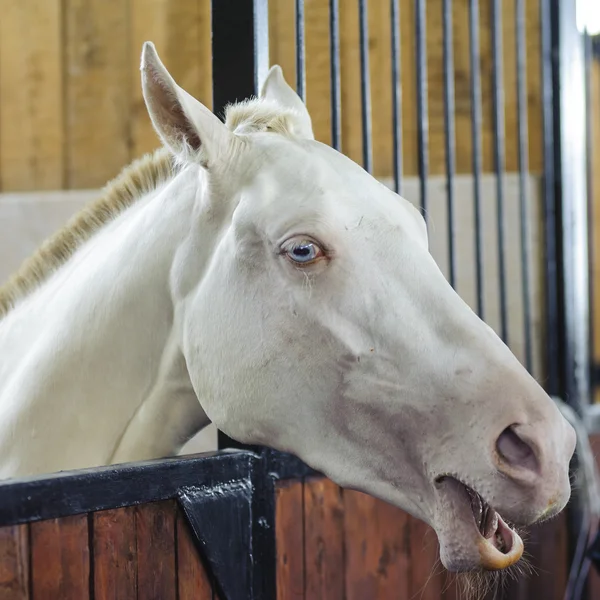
<point x="377" y="552"/>
<point x="547" y="547"/>
<point x="181" y="31"/>
<point x="31" y="85"/>
<point x="290" y="540"/>
<point x="97" y="80"/>
<point x="155" y="530"/>
<point x="115" y="554"/>
<point x="14" y="563"/>
<point x="427" y="573"/>
<point x="60" y="559"/>
<point x="192" y="579"/>
<point x="324" y="539"/>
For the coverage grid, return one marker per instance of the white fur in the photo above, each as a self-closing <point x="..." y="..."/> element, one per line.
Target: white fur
<point x="183" y="310"/>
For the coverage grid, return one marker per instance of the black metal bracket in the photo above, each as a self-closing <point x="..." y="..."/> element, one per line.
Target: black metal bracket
<point x="220" y="518"/>
<point x="233" y="525"/>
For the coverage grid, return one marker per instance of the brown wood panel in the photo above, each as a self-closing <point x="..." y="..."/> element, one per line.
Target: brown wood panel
<point x="97" y="80"/>
<point x="180" y="29"/>
<point x="427" y="572"/>
<point x="155" y="532"/>
<point x="192" y="580"/>
<point x="115" y="554"/>
<point x="31" y="95"/>
<point x="290" y="540"/>
<point x="377" y="550"/>
<point x="14" y="563"/>
<point x="324" y="539"/>
<point x="60" y="559"/>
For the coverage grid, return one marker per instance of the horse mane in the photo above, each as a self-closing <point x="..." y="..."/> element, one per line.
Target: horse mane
<point x="135" y="181"/>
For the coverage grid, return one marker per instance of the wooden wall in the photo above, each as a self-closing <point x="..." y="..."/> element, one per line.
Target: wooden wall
<point x="143" y="552"/>
<point x="349" y="546"/>
<point x="71" y="112"/>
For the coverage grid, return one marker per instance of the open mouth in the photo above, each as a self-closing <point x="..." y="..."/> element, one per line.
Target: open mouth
<point x="498" y="544"/>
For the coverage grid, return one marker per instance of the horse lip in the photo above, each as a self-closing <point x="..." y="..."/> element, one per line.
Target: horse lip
<point x="494" y="549"/>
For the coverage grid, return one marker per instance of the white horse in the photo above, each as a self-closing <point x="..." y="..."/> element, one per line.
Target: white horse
<point x="250" y="276"/>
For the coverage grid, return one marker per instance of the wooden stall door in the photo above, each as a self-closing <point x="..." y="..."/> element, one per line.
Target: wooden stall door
<point x="135" y="553"/>
<point x="334" y="544"/>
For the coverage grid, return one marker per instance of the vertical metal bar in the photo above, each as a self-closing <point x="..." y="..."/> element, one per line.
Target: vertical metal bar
<point x="572" y="256"/>
<point x="300" y="51"/>
<point x="523" y="137"/>
<point x="336" y="86"/>
<point x="422" y="110"/>
<point x="396" y="94"/>
<point x="588" y="53"/>
<point x="238" y="69"/>
<point x="553" y="341"/>
<point x="450" y="135"/>
<point x="365" y="86"/>
<point x="573" y="202"/>
<point x="476" y="125"/>
<point x="499" y="156"/>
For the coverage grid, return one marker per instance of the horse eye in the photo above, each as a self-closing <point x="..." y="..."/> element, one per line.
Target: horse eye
<point x="302" y="251"/>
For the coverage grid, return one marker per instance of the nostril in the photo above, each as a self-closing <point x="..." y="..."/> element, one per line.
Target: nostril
<point x="515" y="451"/>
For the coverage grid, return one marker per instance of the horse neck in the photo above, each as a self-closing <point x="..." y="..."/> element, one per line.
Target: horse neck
<point x="90" y="367"/>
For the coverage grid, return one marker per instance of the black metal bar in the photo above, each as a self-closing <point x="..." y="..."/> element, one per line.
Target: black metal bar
<point x="240" y="68"/>
<point x="396" y="94"/>
<point x="87" y="490"/>
<point x="450" y="135"/>
<point x="422" y="105"/>
<point x="335" y="73"/>
<point x="523" y="138"/>
<point x="476" y="127"/>
<point x="499" y="157"/>
<point x="365" y="86"/>
<point x="553" y="341"/>
<point x="300" y="51"/>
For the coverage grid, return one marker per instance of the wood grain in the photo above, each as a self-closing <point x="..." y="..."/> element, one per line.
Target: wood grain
<point x="155" y="531"/>
<point x="324" y="539"/>
<point x="97" y="80"/>
<point x="31" y="101"/>
<point x="377" y="550"/>
<point x="427" y="573"/>
<point x="290" y="540"/>
<point x="192" y="579"/>
<point x="14" y="563"/>
<point x="115" y="554"/>
<point x="60" y="559"/>
<point x="180" y="30"/>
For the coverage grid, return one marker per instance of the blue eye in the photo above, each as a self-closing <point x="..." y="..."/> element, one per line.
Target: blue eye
<point x="303" y="252"/>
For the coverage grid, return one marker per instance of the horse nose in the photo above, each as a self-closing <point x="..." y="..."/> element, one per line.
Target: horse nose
<point x="517" y="453"/>
<point x="525" y="452"/>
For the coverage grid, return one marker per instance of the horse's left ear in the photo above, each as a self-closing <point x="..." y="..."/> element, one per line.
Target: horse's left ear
<point x="184" y="124"/>
<point x="277" y="89"/>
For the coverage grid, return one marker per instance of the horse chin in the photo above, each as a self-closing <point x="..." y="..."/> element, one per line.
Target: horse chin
<point x="472" y="535"/>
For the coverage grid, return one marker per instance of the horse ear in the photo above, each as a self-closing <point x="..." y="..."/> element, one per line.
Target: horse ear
<point x="277" y="89"/>
<point x="185" y="125"/>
